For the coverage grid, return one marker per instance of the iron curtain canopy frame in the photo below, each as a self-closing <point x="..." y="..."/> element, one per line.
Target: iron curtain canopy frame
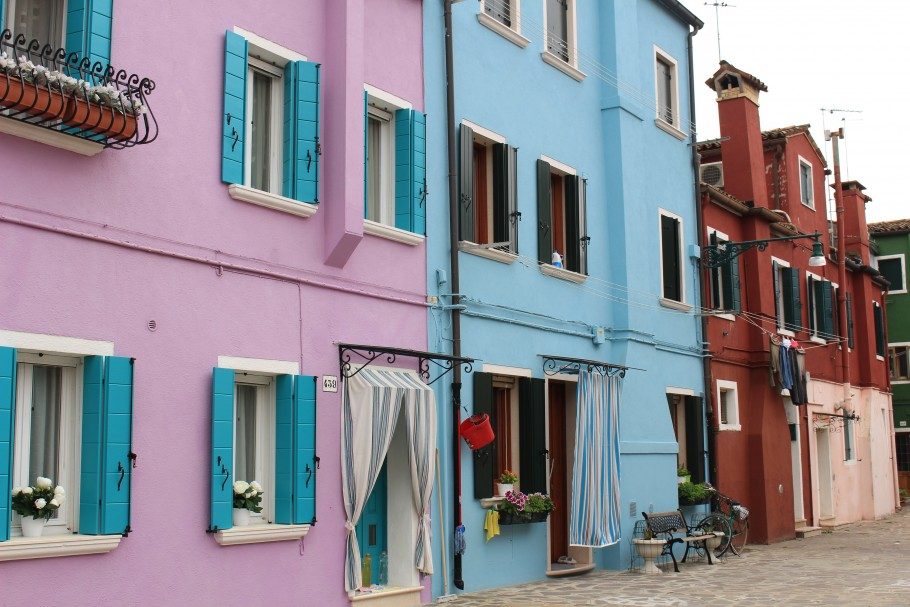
<point x="719" y="255"/>
<point x="348" y="355"/>
<point x="553" y="365"/>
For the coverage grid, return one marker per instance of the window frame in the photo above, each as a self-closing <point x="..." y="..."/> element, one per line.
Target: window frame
<point x="802" y="162"/>
<point x="276" y="123"/>
<point x="70" y="448"/>
<point x="510" y="383"/>
<point x="387" y="169"/>
<point x="905" y="345"/>
<point x="661" y="56"/>
<point x="514" y="15"/>
<point x="812" y="311"/>
<point x="716" y="275"/>
<point x="60" y="42"/>
<point x="661" y="213"/>
<point x="726" y="387"/>
<point x="903" y="263"/>
<point x="571" y="35"/>
<point x="265" y="439"/>
<point x="565" y="171"/>
<point x="881" y="349"/>
<point x="380" y="101"/>
<point x="779" y="305"/>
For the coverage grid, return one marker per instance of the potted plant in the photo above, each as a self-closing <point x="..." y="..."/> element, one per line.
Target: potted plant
<point x="713" y="542"/>
<point x="506" y="483"/>
<point x="247" y="497"/>
<point x="31" y="88"/>
<point x="35" y="505"/>
<point x="691" y="494"/>
<point x="649" y="548"/>
<point x="519" y="508"/>
<point x="683" y="475"/>
<point x="101" y="109"/>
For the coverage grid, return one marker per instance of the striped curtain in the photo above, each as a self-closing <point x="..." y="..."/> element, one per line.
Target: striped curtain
<point x="594" y="518"/>
<point x="371" y="404"/>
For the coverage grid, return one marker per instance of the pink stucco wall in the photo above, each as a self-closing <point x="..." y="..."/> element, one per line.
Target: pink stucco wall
<point x="168" y="197"/>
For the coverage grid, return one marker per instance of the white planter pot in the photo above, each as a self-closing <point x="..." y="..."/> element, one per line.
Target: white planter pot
<point x="503" y="488"/>
<point x="241" y="517"/>
<point x="683" y="479"/>
<point x="32" y="527"/>
<point x="715" y="541"/>
<point x="649" y="550"/>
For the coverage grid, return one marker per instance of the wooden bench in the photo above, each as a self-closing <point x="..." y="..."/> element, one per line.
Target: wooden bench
<point x="672" y="527"/>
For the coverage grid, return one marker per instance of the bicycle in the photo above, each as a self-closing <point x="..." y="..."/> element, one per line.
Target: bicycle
<point x="732" y="518"/>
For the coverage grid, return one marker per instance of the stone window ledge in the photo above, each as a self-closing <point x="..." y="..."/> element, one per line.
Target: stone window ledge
<point x="374" y="228"/>
<point x="562" y="273"/>
<point x="669" y="128"/>
<point x="257" y="534"/>
<point x="20" y="548"/>
<point x="271" y="201"/>
<point x="503" y="30"/>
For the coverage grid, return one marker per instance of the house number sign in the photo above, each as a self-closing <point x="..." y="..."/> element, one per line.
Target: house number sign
<point x="329" y="383"/>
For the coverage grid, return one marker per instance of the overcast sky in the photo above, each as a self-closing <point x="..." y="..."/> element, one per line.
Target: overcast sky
<point x="817" y="54"/>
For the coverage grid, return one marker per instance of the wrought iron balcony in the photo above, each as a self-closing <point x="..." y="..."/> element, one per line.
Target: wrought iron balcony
<point x="51" y="89"/>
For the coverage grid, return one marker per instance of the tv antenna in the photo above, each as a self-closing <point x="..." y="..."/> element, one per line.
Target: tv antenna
<point x="717" y="6"/>
<point x="830" y="111"/>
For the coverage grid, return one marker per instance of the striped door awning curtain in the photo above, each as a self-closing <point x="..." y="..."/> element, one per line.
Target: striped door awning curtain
<point x="595" y="510"/>
<point x="371" y="404"/>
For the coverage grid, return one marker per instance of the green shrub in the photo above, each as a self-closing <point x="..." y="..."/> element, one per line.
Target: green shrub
<point x="693" y="493"/>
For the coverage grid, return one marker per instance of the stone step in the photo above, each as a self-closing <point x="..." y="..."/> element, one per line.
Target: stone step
<point x="830" y="524"/>
<point x="804" y="532"/>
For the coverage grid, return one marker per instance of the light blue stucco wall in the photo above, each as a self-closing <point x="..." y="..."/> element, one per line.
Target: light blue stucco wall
<point x="514" y="313"/>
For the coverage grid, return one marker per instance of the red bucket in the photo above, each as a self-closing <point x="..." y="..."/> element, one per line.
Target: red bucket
<point x="477" y="431"/>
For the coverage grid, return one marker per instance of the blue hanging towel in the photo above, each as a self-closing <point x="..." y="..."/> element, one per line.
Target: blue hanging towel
<point x="786" y="368"/>
<point x="460" y="546"/>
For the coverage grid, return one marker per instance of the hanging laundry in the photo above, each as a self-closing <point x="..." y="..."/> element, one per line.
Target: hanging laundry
<point x="786" y="369"/>
<point x="774" y="368"/>
<point x="491" y="524"/>
<point x="800" y="377"/>
<point x="798" y="388"/>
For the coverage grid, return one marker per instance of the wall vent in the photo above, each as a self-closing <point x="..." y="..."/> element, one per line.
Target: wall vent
<point x="712" y="173"/>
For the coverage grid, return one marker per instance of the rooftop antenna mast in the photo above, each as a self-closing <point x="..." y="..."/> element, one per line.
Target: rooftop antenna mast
<point x="717" y="6"/>
<point x="832" y="111"/>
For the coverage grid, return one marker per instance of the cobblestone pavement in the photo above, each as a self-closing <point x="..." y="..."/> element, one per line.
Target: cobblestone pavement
<point x="865" y="564"/>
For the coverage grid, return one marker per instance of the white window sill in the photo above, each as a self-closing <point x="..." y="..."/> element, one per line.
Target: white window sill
<point x="730" y="428"/>
<point x="851" y="462"/>
<point x="49" y="137"/>
<point x="503" y="30"/>
<point x="786" y="332"/>
<point x="562" y="273"/>
<point x="20" y="548"/>
<point x="675" y="305"/>
<point x="901" y="292"/>
<point x="374" y="228"/>
<point x="669" y="128"/>
<point x="257" y="534"/>
<point x="490" y="503"/>
<point x="724" y="316"/>
<point x="881" y="358"/>
<point x="807" y="205"/>
<point x="271" y="201"/>
<point x="390" y="597"/>
<point x="494" y="254"/>
<point x="562" y="66"/>
<point x="898" y="382"/>
<point x="817" y="340"/>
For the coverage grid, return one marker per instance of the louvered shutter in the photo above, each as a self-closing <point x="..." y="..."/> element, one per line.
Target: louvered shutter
<point x="117" y="452"/>
<point x="512" y="172"/>
<point x="826" y="302"/>
<point x="300" y="170"/>
<point x="814" y="296"/>
<point x="792" y="299"/>
<point x="879" y="330"/>
<point x="222" y="457"/>
<point x="2" y="16"/>
<point x="234" y="118"/>
<point x="92" y="439"/>
<point x="732" y="289"/>
<point x="669" y="231"/>
<point x="584" y="237"/>
<point x="284" y="449"/>
<point x="88" y="29"/>
<point x="573" y="231"/>
<point x="466" y="184"/>
<point x="695" y="437"/>
<point x="410" y="170"/>
<point x="778" y="293"/>
<point x="501" y="202"/>
<point x="7" y="425"/>
<point x="483" y="458"/>
<point x="544" y="213"/>
<point x="532" y="442"/>
<point x="850" y="340"/>
<point x="305" y="460"/>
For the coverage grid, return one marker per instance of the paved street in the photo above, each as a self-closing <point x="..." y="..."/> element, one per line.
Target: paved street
<point x="858" y="565"/>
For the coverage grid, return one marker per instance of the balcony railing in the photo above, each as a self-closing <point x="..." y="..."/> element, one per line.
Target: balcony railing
<point x="49" y="88"/>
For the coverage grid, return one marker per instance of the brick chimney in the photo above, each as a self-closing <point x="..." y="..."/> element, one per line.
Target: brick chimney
<point x="856" y="231"/>
<point x="741" y="142"/>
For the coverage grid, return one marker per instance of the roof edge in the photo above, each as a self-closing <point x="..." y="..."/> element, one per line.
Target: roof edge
<point x="678" y="10"/>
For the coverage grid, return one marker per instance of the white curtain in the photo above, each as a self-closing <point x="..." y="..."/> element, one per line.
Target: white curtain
<point x="595" y="514"/>
<point x="371" y="403"/>
<point x="45" y="423"/>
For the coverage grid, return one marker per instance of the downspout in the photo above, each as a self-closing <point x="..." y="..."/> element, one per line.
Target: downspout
<point x="456" y="288"/>
<point x="700" y="227"/>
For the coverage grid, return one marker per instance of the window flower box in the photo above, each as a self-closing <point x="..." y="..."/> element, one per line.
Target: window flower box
<point x="521" y="518"/>
<point x="518" y="508"/>
<point x="101" y="119"/>
<point x="34" y="100"/>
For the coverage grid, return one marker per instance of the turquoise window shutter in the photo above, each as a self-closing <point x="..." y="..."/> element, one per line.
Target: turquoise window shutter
<point x="289" y="131"/>
<point x="366" y="153"/>
<point x="284" y="449"/>
<point x="117" y="452"/>
<point x="88" y="29"/>
<point x="92" y="444"/>
<point x="234" y="117"/>
<point x="7" y="418"/>
<point x="305" y="460"/>
<point x="2" y="15"/>
<point x="306" y="173"/>
<point x="222" y="497"/>
<point x="410" y="170"/>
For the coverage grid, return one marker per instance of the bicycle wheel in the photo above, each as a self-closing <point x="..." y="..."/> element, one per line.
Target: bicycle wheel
<point x="718" y="522"/>
<point x="740" y="534"/>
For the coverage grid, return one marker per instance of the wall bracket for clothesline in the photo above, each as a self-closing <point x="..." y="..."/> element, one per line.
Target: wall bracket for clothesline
<point x="351" y="355"/>
<point x="553" y="365"/>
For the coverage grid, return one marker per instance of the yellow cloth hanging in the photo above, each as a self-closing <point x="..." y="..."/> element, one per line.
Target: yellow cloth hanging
<point x="491" y="524"/>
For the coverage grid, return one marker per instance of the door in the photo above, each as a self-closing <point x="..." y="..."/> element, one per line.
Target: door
<point x="902" y="446"/>
<point x="826" y="497"/>
<point x="372" y="532"/>
<point x="559" y="518"/>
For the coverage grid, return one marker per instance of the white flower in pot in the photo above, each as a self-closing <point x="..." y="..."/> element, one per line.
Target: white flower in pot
<point x="247" y="497"/>
<point x="506" y="483"/>
<point x="35" y="505"/>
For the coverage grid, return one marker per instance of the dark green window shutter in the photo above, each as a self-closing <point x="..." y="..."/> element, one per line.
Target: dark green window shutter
<point x="483" y="458"/>
<point x="573" y="237"/>
<point x="731" y="288"/>
<point x="778" y="295"/>
<point x="584" y="238"/>
<point x="466" y="185"/>
<point x="850" y="339"/>
<point x="512" y="172"/>
<point x="532" y="443"/>
<point x="669" y="242"/>
<point x="695" y="437"/>
<point x="7" y="424"/>
<point x="792" y="299"/>
<point x="715" y="274"/>
<point x="500" y="192"/>
<point x="544" y="214"/>
<point x="813" y="305"/>
<point x="826" y="304"/>
<point x="879" y="330"/>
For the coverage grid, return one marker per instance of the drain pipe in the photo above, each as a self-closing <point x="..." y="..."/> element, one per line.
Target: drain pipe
<point x="456" y="288"/>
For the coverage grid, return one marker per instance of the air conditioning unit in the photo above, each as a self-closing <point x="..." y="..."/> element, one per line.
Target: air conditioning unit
<point x="712" y="173"/>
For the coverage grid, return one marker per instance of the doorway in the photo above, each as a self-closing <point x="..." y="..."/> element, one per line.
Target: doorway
<point x="825" y="489"/>
<point x="560" y="475"/>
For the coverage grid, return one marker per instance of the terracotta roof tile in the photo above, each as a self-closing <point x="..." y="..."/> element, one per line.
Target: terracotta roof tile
<point x="896" y="226"/>
<point x="769" y="136"/>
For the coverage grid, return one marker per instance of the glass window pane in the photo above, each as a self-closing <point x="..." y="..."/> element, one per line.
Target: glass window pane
<point x="245" y="432"/>
<point x="501" y="10"/>
<point x="374" y="175"/>
<point x="558" y="28"/>
<point x="44" y="448"/>
<point x="261" y="144"/>
<point x="39" y="19"/>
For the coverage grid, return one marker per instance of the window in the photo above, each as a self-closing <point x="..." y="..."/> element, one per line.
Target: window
<point x="900" y="362"/>
<point x="849" y="439"/>
<point x="671" y="269"/>
<point x="805" y="183"/>
<point x="270" y="145"/>
<point x="561" y="216"/>
<point x="43" y="20"/>
<point x="503" y="11"/>
<point x="516" y="406"/>
<point x="822" y="311"/>
<point x="380" y="166"/>
<point x="47" y="430"/>
<point x="893" y="268"/>
<point x="253" y="437"/>
<point x="879" y="329"/>
<point x="687" y="416"/>
<point x="787" y="297"/>
<point x="560" y="20"/>
<point x="728" y="404"/>
<point x="902" y="444"/>
<point x="724" y="284"/>
<point x="665" y="77"/>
